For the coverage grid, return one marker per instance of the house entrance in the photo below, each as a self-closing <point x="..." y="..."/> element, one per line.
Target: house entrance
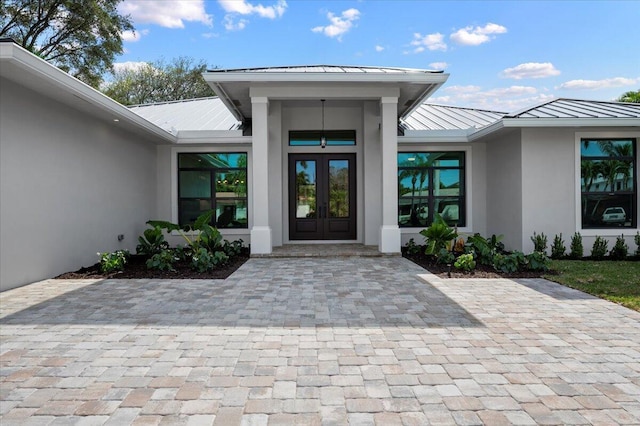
<point x="322" y="196"/>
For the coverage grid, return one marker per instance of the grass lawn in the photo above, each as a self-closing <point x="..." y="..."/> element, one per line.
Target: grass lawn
<point x="618" y="282"/>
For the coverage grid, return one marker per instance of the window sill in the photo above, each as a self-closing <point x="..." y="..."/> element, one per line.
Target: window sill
<point x="608" y="232"/>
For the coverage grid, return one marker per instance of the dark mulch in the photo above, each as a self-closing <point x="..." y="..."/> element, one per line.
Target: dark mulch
<point x="444" y="271"/>
<point x="136" y="268"/>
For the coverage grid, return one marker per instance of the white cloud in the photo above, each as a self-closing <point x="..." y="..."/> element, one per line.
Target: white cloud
<point x="430" y="41"/>
<point x="530" y="70"/>
<point x="339" y="25"/>
<point x="209" y="35"/>
<point x="133" y="36"/>
<point x="243" y="7"/>
<point x="166" y="13"/>
<point x="505" y="99"/>
<point x="129" y="66"/>
<point x="599" y="84"/>
<point x="379" y="48"/>
<point x="438" y="65"/>
<point x="470" y="36"/>
<point x="231" y="24"/>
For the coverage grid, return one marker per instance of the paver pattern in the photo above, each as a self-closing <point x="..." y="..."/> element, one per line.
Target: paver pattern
<point x="354" y="341"/>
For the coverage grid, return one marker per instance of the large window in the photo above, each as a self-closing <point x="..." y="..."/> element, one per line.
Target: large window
<point x="607" y="180"/>
<point x="430" y="182"/>
<point x="213" y="181"/>
<point x="314" y="137"/>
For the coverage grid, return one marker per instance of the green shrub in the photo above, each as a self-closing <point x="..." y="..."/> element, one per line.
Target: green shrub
<point x="538" y="261"/>
<point x="539" y="242"/>
<point x="620" y="249"/>
<point x="577" y="250"/>
<point x="557" y="248"/>
<point x="203" y="260"/>
<point x="151" y="242"/>
<point x="412" y="248"/>
<point x="637" y="241"/>
<point x="445" y="256"/>
<point x="465" y="262"/>
<point x="114" y="261"/>
<point x="162" y="261"/>
<point x="205" y="236"/>
<point x="599" y="249"/>
<point x="438" y="235"/>
<point x="485" y="249"/>
<point x="232" y="248"/>
<point x="509" y="263"/>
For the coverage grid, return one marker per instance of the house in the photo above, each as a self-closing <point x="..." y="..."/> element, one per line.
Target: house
<point x="298" y="154"/>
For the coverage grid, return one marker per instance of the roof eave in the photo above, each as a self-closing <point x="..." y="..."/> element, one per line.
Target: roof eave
<point x="318" y="77"/>
<point x="33" y="66"/>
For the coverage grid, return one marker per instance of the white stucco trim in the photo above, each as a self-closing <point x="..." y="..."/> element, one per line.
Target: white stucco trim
<point x="468" y="181"/>
<point x="602" y="232"/>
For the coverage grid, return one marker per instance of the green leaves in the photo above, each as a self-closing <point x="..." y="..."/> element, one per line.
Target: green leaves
<point x="437" y="235"/>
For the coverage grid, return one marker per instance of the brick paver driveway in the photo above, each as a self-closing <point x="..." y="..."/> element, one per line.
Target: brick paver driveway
<point x="311" y="341"/>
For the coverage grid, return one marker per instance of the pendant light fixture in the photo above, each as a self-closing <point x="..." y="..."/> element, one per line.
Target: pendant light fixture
<point x="323" y="139"/>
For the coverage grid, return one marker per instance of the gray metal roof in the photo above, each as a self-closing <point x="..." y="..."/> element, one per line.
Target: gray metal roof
<point x="191" y="114"/>
<point x="440" y="117"/>
<point x="328" y="69"/>
<point x="576" y="108"/>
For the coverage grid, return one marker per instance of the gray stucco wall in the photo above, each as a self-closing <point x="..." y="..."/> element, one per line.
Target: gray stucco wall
<point x="69" y="185"/>
<point x="504" y="189"/>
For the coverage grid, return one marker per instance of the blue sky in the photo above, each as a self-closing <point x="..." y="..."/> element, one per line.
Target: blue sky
<point x="501" y="55"/>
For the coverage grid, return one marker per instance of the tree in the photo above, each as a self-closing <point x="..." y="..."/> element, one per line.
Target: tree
<point x="159" y="82"/>
<point x="80" y="37"/>
<point x="632" y="97"/>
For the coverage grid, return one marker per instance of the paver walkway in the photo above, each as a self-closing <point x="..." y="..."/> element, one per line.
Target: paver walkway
<point x="316" y="341"/>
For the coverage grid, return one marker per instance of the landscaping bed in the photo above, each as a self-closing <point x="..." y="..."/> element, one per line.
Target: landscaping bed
<point x="136" y="268"/>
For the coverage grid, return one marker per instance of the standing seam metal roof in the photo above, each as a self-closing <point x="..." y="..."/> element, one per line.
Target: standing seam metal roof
<point x="576" y="108"/>
<point x="329" y="69"/>
<point x="441" y="117"/>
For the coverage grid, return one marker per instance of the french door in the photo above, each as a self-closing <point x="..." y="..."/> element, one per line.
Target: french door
<point x="322" y="196"/>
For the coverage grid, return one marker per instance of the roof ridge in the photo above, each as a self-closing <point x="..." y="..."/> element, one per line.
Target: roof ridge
<point x="465" y="108"/>
<point x="173" y="102"/>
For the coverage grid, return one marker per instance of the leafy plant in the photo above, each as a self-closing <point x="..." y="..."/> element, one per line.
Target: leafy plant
<point x="509" y="263"/>
<point x="162" y="261"/>
<point x="599" y="248"/>
<point x="620" y="249"/>
<point x="438" y="235"/>
<point x="203" y="260"/>
<point x="636" y="239"/>
<point x="412" y="248"/>
<point x="465" y="262"/>
<point x="232" y="248"/>
<point x="538" y="261"/>
<point x="206" y="236"/>
<point x="557" y="248"/>
<point x="151" y="242"/>
<point x="445" y="256"/>
<point x="577" y="250"/>
<point x="114" y="261"/>
<point x="485" y="249"/>
<point x="539" y="242"/>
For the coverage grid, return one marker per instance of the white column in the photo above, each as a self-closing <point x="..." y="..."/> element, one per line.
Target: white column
<point x="390" y="240"/>
<point x="260" y="231"/>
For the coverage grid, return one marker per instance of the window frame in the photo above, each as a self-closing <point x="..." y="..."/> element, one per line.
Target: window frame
<point x="465" y="184"/>
<point x="213" y="172"/>
<point x="610" y="231"/>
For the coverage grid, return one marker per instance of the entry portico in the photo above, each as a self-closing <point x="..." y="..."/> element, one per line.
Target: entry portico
<point x="275" y="105"/>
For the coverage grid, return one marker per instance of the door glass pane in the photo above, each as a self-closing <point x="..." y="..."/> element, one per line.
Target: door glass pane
<point x="195" y="184"/>
<point x="306" y="189"/>
<point x="338" y="188"/>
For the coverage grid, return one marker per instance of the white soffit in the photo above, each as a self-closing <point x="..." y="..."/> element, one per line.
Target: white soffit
<point x="22" y="67"/>
<point x="233" y="85"/>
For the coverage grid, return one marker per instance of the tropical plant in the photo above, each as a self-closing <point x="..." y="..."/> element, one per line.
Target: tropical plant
<point x="198" y="234"/>
<point x="232" y="248"/>
<point x="151" y="242"/>
<point x="539" y="242"/>
<point x="465" y="262"/>
<point x="636" y="239"/>
<point x="114" y="261"/>
<point x="509" y="263"/>
<point x="557" y="248"/>
<point x="80" y="37"/>
<point x="163" y="260"/>
<point x="620" y="249"/>
<point x="485" y="249"/>
<point x="631" y="96"/>
<point x="203" y="260"/>
<point x="438" y="235"/>
<point x="411" y="247"/>
<point x="599" y="248"/>
<point x="445" y="256"/>
<point x="577" y="250"/>
<point x="538" y="261"/>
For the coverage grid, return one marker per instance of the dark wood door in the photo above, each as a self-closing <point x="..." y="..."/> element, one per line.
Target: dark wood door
<point x="322" y="196"/>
